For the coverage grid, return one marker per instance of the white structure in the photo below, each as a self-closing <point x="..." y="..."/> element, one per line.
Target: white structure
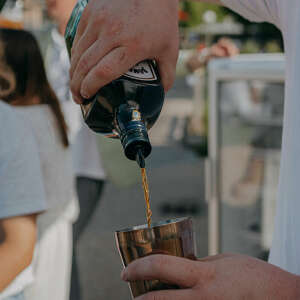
<point x="245" y="121"/>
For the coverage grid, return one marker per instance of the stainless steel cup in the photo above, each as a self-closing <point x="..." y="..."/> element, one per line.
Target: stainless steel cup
<point x="172" y="237"/>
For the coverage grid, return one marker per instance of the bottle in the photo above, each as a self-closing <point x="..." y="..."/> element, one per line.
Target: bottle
<point x="126" y="107"/>
<point x="2" y="2"/>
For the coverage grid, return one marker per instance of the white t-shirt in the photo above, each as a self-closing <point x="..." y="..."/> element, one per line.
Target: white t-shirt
<point x="285" y="14"/>
<point x="56" y="166"/>
<point x="53" y="254"/>
<point x="21" y="188"/>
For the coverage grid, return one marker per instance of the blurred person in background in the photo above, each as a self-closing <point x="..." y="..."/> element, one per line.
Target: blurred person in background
<point x="22" y="198"/>
<point x="88" y="166"/>
<point x="224" y="47"/>
<point x="29" y="92"/>
<point x="196" y="64"/>
<point x="149" y="29"/>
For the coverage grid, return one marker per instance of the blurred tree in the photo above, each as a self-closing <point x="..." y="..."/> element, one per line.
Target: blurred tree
<point x="263" y="33"/>
<point x="193" y="13"/>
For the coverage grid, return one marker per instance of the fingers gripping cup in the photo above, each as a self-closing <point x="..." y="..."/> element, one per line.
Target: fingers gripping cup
<point x="172" y="237"/>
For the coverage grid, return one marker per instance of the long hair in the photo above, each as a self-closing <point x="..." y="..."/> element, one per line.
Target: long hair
<point x="21" y="54"/>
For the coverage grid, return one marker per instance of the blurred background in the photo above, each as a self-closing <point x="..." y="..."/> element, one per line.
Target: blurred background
<point x="216" y="146"/>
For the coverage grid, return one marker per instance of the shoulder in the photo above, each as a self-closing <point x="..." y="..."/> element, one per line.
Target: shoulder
<point x="11" y="125"/>
<point x="6" y="112"/>
<point x="43" y="124"/>
<point x="39" y="118"/>
<point x="16" y="136"/>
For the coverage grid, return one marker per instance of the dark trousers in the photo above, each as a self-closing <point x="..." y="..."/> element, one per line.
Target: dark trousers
<point x="89" y="193"/>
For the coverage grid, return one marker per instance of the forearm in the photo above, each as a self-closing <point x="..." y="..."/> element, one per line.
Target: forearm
<point x="18" y="238"/>
<point x="12" y="262"/>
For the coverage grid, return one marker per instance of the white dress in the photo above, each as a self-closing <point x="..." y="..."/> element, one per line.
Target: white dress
<point x="53" y="254"/>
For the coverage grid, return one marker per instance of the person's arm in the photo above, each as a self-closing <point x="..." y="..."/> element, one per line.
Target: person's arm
<point x="112" y="36"/>
<point x="16" y="247"/>
<point x="223" y="48"/>
<point x="227" y="276"/>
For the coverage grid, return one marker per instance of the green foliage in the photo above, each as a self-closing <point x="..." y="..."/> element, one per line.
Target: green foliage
<point x="195" y="11"/>
<point x="250" y="46"/>
<point x="263" y="30"/>
<point x="255" y="38"/>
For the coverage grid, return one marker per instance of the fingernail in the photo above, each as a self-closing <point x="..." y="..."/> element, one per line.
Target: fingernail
<point x="124" y="275"/>
<point x="84" y="94"/>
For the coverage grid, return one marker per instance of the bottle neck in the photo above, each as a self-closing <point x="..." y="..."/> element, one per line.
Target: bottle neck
<point x="133" y="134"/>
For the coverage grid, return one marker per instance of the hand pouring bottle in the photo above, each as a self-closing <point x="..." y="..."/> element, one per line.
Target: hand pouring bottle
<point x="126" y="107"/>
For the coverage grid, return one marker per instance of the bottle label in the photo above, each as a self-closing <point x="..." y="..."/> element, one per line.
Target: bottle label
<point x="142" y="71"/>
<point x="136" y="115"/>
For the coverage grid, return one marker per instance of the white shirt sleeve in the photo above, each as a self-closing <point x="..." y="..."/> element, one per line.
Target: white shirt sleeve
<point x="256" y="10"/>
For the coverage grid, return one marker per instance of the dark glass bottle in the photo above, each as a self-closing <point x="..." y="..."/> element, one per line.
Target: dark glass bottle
<point x="2" y="2"/>
<point x="128" y="106"/>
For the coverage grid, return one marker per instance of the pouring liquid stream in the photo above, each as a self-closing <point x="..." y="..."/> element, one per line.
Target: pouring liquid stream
<point x="147" y="198"/>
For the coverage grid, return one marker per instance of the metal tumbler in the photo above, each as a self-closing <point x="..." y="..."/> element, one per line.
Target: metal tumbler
<point x="172" y="237"/>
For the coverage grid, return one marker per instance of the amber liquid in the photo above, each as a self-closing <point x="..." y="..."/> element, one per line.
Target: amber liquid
<point x="146" y="195"/>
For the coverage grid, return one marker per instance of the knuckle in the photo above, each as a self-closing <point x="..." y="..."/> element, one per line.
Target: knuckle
<point x="100" y="16"/>
<point x="122" y="55"/>
<point x="105" y="72"/>
<point x="115" y="28"/>
<point x="149" y="261"/>
<point x="83" y="64"/>
<point x="137" y="45"/>
<point x="159" y="262"/>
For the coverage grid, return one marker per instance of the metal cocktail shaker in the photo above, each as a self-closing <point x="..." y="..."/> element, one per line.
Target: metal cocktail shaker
<point x="172" y="237"/>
